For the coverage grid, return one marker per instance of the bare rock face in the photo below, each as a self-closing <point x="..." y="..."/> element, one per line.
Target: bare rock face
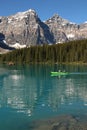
<point x="26" y="29"/>
<point x="63" y="30"/>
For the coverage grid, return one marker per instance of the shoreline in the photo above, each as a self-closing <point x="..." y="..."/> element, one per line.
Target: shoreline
<point x="12" y="63"/>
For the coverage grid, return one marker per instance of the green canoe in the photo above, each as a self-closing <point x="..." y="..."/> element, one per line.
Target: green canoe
<point x="59" y="73"/>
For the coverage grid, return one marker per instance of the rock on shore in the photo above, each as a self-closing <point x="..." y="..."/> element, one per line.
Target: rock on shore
<point x="59" y="123"/>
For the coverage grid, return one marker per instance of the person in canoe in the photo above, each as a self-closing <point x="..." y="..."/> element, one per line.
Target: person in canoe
<point x="61" y="71"/>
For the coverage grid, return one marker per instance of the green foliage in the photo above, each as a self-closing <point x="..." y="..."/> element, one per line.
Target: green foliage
<point x="74" y="51"/>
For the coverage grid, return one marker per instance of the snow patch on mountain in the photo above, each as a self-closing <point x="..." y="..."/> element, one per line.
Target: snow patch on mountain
<point x="70" y="35"/>
<point x="18" y="46"/>
<point x="4" y="41"/>
<point x="21" y="15"/>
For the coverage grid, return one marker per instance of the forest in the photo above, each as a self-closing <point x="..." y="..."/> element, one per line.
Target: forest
<point x="73" y="51"/>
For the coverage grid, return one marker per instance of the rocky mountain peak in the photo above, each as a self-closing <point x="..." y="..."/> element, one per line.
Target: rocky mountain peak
<point x="31" y="11"/>
<point x="57" y="19"/>
<point x="22" y="15"/>
<point x="26" y="13"/>
<point x="26" y="29"/>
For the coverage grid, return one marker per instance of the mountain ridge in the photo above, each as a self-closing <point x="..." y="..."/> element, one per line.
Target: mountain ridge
<point x="26" y="28"/>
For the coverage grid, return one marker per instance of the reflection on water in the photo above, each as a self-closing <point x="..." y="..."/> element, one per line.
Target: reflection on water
<point x="32" y="91"/>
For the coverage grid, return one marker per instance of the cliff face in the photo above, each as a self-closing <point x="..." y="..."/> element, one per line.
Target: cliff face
<point x="26" y="28"/>
<point x="64" y="30"/>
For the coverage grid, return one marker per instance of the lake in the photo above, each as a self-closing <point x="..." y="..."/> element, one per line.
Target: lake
<point x="30" y="93"/>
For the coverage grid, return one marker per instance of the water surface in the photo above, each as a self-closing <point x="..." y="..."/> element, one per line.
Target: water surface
<point x="30" y="93"/>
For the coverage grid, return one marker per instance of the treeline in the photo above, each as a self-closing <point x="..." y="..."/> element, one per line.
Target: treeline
<point x="74" y="51"/>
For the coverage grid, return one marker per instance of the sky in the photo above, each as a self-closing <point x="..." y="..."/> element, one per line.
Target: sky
<point x="72" y="10"/>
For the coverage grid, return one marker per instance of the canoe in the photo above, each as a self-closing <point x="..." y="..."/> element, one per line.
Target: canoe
<point x="59" y="73"/>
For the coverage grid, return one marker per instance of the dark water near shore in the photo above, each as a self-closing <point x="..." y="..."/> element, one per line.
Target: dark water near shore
<point x="30" y="93"/>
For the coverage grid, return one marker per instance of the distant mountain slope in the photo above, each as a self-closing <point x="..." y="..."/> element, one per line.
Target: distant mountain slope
<point x="25" y="29"/>
<point x="64" y="30"/>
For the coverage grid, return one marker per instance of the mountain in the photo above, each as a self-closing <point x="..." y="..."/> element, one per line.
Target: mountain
<point x="64" y="30"/>
<point x="26" y="29"/>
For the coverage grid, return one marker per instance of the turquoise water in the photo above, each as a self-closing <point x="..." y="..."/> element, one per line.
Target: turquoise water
<point x="30" y="93"/>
